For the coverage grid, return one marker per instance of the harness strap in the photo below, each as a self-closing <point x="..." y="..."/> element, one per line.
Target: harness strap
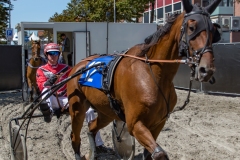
<point x="29" y="65"/>
<point x="201" y="51"/>
<point x="197" y="12"/>
<point x="116" y="108"/>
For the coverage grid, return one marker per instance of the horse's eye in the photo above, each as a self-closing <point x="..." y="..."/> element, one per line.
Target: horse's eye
<point x="192" y="28"/>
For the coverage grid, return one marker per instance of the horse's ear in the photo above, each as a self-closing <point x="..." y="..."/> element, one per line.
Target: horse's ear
<point x="31" y="40"/>
<point x="211" y="7"/>
<point x="187" y="6"/>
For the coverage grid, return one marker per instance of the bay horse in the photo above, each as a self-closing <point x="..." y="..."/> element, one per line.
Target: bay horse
<point x="142" y="82"/>
<point x="32" y="65"/>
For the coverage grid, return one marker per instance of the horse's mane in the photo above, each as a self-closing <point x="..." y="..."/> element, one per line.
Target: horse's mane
<point x="155" y="37"/>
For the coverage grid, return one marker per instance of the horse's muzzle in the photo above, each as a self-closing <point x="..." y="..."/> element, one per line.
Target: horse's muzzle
<point x="204" y="73"/>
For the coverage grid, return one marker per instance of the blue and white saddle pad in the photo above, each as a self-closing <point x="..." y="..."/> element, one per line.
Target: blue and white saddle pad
<point x="94" y="76"/>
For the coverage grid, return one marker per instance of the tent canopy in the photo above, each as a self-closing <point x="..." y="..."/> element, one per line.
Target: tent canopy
<point x="33" y="37"/>
<point x="15" y="37"/>
<point x="3" y="40"/>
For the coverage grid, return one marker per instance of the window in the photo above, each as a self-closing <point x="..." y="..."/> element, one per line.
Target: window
<point x="177" y="6"/>
<point x="159" y="13"/>
<point x="224" y="3"/>
<point x="168" y="9"/>
<point x="146" y="17"/>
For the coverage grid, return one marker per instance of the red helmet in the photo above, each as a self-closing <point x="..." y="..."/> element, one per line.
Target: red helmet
<point x="51" y="47"/>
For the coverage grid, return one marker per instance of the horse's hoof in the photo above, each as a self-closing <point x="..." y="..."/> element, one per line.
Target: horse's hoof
<point x="160" y="156"/>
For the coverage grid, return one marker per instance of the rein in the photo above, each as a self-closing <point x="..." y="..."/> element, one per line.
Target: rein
<point x="155" y="60"/>
<point x="148" y="61"/>
<point x="60" y="106"/>
<point x="184" y="45"/>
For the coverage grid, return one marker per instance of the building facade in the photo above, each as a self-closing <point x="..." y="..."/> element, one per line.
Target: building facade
<point x="227" y="14"/>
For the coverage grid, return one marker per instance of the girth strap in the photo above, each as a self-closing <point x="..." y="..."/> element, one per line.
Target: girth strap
<point x="116" y="107"/>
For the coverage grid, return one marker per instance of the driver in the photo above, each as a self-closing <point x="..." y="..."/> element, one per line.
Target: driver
<point x="54" y="72"/>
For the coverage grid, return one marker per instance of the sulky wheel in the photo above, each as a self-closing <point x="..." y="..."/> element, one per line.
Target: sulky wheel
<point x="123" y="142"/>
<point x="18" y="144"/>
<point x="25" y="93"/>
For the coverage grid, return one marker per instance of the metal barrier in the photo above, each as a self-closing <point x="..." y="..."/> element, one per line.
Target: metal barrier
<point x="10" y="67"/>
<point x="227" y="63"/>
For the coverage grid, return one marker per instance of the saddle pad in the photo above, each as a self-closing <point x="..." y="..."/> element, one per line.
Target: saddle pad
<point x="94" y="76"/>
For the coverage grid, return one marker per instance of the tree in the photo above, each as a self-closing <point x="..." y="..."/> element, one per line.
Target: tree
<point x="69" y="14"/>
<point x="95" y="10"/>
<point x="4" y="17"/>
<point x="129" y="10"/>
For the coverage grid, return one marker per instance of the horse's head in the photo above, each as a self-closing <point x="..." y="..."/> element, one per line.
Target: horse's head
<point x="197" y="35"/>
<point x="35" y="49"/>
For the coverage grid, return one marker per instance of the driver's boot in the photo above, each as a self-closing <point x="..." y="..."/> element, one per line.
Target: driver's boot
<point x="46" y="111"/>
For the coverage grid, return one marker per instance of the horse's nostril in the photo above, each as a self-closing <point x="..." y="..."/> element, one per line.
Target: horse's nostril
<point x="202" y="70"/>
<point x="205" y="73"/>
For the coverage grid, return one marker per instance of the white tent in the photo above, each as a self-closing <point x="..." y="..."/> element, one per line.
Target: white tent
<point x="15" y="37"/>
<point x="45" y="39"/>
<point x="3" y="40"/>
<point x="33" y="37"/>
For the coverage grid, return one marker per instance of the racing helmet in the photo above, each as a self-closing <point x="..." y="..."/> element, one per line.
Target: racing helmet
<point x="51" y="47"/>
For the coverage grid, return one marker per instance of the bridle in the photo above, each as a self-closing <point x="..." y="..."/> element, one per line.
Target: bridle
<point x="204" y="23"/>
<point x="35" y="52"/>
<point x="35" y="56"/>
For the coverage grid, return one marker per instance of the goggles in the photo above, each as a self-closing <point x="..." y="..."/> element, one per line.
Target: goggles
<point x="53" y="53"/>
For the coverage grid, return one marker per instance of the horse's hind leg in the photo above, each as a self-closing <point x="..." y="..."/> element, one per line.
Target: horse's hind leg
<point x="77" y="113"/>
<point x="146" y="139"/>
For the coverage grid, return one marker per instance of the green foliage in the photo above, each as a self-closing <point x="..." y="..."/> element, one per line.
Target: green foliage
<point x="95" y="10"/>
<point x="4" y="16"/>
<point x="67" y="15"/>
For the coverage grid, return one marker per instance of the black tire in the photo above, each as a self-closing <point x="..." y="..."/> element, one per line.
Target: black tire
<point x="18" y="146"/>
<point x="126" y="147"/>
<point x="25" y="93"/>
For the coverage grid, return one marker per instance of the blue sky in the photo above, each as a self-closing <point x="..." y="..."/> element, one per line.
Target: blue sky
<point x="35" y="10"/>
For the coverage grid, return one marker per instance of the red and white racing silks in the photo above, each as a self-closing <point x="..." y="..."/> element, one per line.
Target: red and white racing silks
<point x="47" y="71"/>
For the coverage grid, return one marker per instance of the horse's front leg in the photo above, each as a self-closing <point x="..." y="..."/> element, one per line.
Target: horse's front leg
<point x="145" y="138"/>
<point x="30" y="87"/>
<point x="35" y="87"/>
